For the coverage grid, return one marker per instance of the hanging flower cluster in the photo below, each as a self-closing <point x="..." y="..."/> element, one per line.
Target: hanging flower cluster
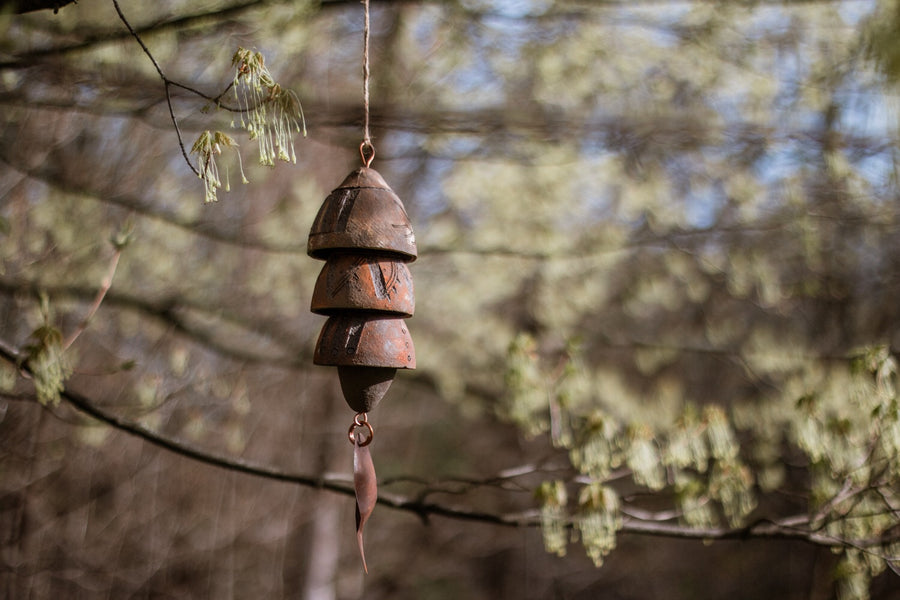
<point x="270" y="114"/>
<point x="46" y="359"/>
<point x="207" y="147"/>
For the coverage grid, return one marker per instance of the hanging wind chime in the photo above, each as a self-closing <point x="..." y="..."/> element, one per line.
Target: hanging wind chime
<point x="364" y="236"/>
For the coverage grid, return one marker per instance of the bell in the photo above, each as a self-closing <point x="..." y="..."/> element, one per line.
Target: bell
<point x="363" y="234"/>
<point x="364" y="387"/>
<point x="362" y="214"/>
<point x="349" y="282"/>
<point x="365" y="341"/>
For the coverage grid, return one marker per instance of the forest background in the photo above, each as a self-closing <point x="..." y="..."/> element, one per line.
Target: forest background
<point x="657" y="285"/>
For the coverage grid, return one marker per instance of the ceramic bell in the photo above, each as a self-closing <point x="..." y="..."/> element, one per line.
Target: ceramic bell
<point x="363" y="234"/>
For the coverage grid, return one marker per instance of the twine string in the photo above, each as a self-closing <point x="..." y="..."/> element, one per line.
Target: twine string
<point x="366" y="149"/>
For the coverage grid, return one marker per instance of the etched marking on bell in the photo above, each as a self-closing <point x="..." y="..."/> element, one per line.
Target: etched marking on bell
<point x="338" y="279"/>
<point x="344" y="209"/>
<point x="380" y="284"/>
<point x="354" y="332"/>
<point x="336" y="211"/>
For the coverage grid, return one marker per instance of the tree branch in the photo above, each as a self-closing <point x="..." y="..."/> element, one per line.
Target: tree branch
<point x="789" y="528"/>
<point x="46" y="175"/>
<point x="26" y="6"/>
<point x="166" y="84"/>
<point x="168" y="311"/>
<point x="105" y="284"/>
<point x="337" y="484"/>
<point x="27" y="59"/>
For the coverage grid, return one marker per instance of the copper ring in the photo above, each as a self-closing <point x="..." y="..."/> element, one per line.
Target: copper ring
<point x="351" y="433"/>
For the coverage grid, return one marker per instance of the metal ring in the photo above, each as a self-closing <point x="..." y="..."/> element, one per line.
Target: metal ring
<point x="351" y="433"/>
<point x="367" y="152"/>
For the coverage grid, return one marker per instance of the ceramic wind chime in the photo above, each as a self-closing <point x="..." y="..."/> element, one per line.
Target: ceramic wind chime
<point x="363" y="234"/>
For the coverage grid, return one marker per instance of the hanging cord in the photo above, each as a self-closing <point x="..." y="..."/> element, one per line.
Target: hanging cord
<point x="366" y="149"/>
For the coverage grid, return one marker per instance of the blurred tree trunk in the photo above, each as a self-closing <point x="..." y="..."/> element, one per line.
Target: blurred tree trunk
<point x="324" y="551"/>
<point x="323" y="543"/>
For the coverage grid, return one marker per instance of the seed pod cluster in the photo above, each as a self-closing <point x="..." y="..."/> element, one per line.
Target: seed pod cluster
<point x="363" y="234"/>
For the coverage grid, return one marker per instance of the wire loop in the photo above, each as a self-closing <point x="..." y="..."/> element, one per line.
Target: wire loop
<point x="361" y="421"/>
<point x="367" y="152"/>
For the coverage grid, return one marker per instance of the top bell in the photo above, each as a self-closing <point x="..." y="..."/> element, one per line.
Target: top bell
<point x="362" y="213"/>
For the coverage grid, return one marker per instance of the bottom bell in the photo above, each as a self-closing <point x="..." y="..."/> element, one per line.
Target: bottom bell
<point x="364" y="387"/>
<point x="367" y="349"/>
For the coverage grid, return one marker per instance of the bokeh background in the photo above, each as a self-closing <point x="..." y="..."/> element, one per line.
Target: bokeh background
<point x="634" y="219"/>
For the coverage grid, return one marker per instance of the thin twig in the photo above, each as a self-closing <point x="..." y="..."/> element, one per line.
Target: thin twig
<point x="167" y="84"/>
<point x="105" y="284"/>
<point x="217" y="100"/>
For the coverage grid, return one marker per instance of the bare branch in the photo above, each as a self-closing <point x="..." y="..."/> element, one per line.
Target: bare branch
<point x="47" y="175"/>
<point x="102" y="37"/>
<point x="167" y="84"/>
<point x="789" y="528"/>
<point x="105" y="284"/>
<point x="172" y="313"/>
<point x="26" y="6"/>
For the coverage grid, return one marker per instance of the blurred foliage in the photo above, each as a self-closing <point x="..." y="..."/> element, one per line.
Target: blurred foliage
<point x="882" y="40"/>
<point x="48" y="364"/>
<point x="46" y="359"/>
<point x="659" y="263"/>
